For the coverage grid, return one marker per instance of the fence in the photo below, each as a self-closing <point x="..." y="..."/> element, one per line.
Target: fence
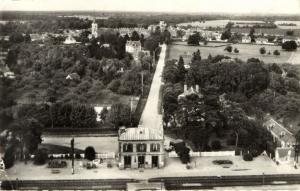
<point x="206" y="154"/>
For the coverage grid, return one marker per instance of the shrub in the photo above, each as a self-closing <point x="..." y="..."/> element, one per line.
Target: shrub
<point x="90" y="153"/>
<point x="262" y="50"/>
<point x="236" y="50"/>
<point x="289" y="45"/>
<point x="276" y="53"/>
<point x="216" y="145"/>
<point x="228" y="48"/>
<point x="41" y="157"/>
<point x="247" y="157"/>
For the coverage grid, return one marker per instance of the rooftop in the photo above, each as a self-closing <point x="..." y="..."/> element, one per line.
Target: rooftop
<point x="280" y="131"/>
<point x="141" y="133"/>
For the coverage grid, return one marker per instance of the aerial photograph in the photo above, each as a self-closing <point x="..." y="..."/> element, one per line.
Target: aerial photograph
<point x="137" y="95"/>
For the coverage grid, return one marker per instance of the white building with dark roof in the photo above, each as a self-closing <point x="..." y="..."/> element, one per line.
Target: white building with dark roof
<point x="141" y="148"/>
<point x="133" y="47"/>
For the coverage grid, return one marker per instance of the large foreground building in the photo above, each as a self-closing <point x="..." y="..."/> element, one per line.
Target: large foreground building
<point x="141" y="148"/>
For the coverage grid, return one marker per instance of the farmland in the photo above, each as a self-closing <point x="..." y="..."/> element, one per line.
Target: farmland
<point x="246" y="51"/>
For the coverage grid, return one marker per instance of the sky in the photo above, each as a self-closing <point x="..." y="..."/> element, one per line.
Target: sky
<point x="212" y="6"/>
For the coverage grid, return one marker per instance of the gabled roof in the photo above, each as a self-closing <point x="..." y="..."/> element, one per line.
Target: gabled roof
<point x="280" y="131"/>
<point x="133" y="43"/>
<point x="141" y="134"/>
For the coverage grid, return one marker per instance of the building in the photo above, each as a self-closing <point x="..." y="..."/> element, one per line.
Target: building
<point x="162" y="25"/>
<point x="246" y="39"/>
<point x="284" y="140"/>
<point x="261" y="40"/>
<point x="94" y="29"/>
<point x="190" y="91"/>
<point x="134" y="47"/>
<point x="70" y="40"/>
<point x="141" y="148"/>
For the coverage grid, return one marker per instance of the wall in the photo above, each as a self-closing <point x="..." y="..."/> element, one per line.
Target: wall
<point x="205" y="154"/>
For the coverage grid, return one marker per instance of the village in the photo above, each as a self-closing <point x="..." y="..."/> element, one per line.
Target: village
<point x="168" y="105"/>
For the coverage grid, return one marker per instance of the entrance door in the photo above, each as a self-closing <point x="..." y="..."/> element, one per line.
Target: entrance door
<point x="127" y="161"/>
<point x="141" y="160"/>
<point x="154" y="161"/>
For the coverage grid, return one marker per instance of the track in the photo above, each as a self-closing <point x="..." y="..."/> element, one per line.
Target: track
<point x="94" y="184"/>
<point x="209" y="182"/>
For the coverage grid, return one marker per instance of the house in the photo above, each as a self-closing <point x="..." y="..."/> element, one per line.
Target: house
<point x="190" y="91"/>
<point x="261" y="40"/>
<point x="291" y="38"/>
<point x="141" y="148"/>
<point x="73" y="76"/>
<point x="10" y="75"/>
<point x="162" y="25"/>
<point x="284" y="140"/>
<point x="133" y="47"/>
<point x="246" y="39"/>
<point x="70" y="40"/>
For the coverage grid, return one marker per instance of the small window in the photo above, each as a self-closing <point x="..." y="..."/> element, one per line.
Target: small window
<point x="142" y="147"/>
<point x="127" y="147"/>
<point x="155" y="147"/>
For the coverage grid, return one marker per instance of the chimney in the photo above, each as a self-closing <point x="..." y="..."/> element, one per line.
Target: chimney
<point x="185" y="88"/>
<point x="197" y="88"/>
<point x="122" y="130"/>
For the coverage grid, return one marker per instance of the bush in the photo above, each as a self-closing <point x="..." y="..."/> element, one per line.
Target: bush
<point x="247" y="157"/>
<point x="90" y="153"/>
<point x="276" y="53"/>
<point x="228" y="48"/>
<point x="262" y="50"/>
<point x="216" y="145"/>
<point x="289" y="45"/>
<point x="41" y="157"/>
<point x="236" y="50"/>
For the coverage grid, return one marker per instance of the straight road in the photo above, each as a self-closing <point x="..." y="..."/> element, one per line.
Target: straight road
<point x="150" y="116"/>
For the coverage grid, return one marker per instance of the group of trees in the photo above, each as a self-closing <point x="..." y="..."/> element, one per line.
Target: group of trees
<point x="229" y="49"/>
<point x="244" y="83"/>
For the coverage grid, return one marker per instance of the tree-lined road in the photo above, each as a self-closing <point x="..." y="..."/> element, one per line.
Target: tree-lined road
<point x="150" y="116"/>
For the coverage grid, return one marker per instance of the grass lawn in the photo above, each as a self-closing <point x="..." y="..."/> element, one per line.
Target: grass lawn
<point x="246" y="51"/>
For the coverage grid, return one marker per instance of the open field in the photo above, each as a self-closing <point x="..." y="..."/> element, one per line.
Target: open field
<point x="246" y="51"/>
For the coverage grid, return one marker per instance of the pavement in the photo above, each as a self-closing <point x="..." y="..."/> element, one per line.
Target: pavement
<point x="201" y="166"/>
<point x="295" y="57"/>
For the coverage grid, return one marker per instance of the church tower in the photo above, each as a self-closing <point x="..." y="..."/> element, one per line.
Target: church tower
<point x="94" y="29"/>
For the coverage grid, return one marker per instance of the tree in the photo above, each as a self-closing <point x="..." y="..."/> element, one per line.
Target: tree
<point x="16" y="37"/>
<point x="119" y="115"/>
<point x="262" y="50"/>
<point x="181" y="68"/>
<point x="40" y="157"/>
<point x="236" y="50"/>
<point x="228" y="48"/>
<point x="9" y="158"/>
<point x="90" y="153"/>
<point x="216" y="145"/>
<point x="276" y="53"/>
<point x="135" y="36"/>
<point x="194" y="39"/>
<point x="251" y="34"/>
<point x="196" y="56"/>
<point x="289" y="45"/>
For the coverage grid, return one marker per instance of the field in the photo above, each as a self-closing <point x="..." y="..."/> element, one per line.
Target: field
<point x="246" y="51"/>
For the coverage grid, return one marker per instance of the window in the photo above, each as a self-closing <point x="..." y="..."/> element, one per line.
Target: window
<point x="127" y="147"/>
<point x="155" y="147"/>
<point x="142" y="147"/>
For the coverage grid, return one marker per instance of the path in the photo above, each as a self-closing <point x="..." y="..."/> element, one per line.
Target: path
<point x="295" y="57"/>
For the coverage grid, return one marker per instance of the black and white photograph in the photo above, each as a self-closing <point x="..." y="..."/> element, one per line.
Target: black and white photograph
<point x="137" y="95"/>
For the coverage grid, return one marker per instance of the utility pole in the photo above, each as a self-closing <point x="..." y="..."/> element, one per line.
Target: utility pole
<point x="72" y="154"/>
<point x="142" y="84"/>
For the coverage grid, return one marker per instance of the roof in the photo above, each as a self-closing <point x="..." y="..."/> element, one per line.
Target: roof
<point x="277" y="129"/>
<point x="290" y="38"/>
<point x="141" y="133"/>
<point x="133" y="43"/>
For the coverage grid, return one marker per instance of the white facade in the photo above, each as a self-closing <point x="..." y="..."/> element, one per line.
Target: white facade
<point x="134" y="47"/>
<point x="94" y="29"/>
